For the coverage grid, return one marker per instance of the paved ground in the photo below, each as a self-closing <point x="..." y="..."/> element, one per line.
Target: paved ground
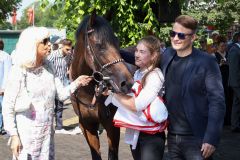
<point x="74" y="147"/>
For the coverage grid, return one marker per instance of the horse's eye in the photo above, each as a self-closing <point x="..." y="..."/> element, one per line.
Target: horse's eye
<point x="101" y="48"/>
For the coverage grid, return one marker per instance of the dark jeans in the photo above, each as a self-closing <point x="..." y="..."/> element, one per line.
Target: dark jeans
<point x="149" y="147"/>
<point x="1" y="117"/>
<point x="235" y="119"/>
<point x="58" y="113"/>
<point x="184" y="147"/>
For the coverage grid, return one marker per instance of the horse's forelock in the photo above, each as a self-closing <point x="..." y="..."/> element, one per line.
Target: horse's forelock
<point x="104" y="32"/>
<point x="101" y="29"/>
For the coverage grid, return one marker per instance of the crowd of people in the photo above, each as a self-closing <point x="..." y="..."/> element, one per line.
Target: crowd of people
<point x="191" y="91"/>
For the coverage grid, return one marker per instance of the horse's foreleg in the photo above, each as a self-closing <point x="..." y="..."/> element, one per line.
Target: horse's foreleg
<point x="113" y="135"/>
<point x="93" y="142"/>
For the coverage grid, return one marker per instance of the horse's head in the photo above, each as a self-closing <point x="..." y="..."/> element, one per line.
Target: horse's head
<point x="100" y="50"/>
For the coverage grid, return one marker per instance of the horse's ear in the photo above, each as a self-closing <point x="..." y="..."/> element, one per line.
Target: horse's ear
<point x="92" y="18"/>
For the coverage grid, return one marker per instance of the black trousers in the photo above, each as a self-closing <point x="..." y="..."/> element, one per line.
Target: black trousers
<point x="58" y="114"/>
<point x="184" y="147"/>
<point x="149" y="147"/>
<point x="235" y="117"/>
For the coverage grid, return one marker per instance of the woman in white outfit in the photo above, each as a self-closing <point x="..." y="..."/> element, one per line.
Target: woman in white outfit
<point x="143" y="114"/>
<point x="31" y="128"/>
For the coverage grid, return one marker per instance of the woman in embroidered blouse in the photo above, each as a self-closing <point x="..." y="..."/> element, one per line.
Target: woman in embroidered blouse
<point x="147" y="141"/>
<point x="31" y="130"/>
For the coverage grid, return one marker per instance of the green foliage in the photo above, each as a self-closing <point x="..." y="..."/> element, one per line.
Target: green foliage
<point x="126" y="21"/>
<point x="5" y="25"/>
<point x="132" y="19"/>
<point x="6" y="7"/>
<point x="221" y="16"/>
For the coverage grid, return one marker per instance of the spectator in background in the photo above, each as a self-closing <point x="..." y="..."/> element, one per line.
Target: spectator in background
<point x="55" y="40"/>
<point x="234" y="81"/>
<point x="213" y="47"/>
<point x="229" y="37"/>
<point x="233" y="41"/>
<point x="61" y="60"/>
<point x="222" y="58"/>
<point x="5" y="65"/>
<point x="203" y="44"/>
<point x="162" y="46"/>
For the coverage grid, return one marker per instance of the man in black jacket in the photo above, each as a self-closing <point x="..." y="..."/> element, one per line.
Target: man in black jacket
<point x="194" y="95"/>
<point x="234" y="81"/>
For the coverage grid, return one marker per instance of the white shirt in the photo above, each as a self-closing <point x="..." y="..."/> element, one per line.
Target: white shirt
<point x="5" y="65"/>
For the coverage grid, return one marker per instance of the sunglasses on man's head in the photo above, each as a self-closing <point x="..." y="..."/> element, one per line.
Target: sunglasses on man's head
<point x="179" y="34"/>
<point x="45" y="41"/>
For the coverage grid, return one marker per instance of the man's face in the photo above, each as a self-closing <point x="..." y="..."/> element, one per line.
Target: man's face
<point x="222" y="47"/>
<point x="66" y="50"/>
<point x="181" y="38"/>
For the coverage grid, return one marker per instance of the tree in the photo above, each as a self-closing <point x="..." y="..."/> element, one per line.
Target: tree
<point x="132" y="19"/>
<point x="6" y="25"/>
<point x="6" y="7"/>
<point x="221" y="15"/>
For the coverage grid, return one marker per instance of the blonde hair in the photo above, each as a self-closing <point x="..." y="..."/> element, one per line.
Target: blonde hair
<point x="26" y="49"/>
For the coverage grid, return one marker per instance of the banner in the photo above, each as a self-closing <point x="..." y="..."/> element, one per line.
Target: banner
<point x="30" y="14"/>
<point x="14" y="17"/>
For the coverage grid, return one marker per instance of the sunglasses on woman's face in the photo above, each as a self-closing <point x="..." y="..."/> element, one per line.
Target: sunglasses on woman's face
<point x="45" y="41"/>
<point x="180" y="35"/>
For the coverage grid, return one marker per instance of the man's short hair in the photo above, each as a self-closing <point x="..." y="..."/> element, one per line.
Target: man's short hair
<point x="221" y="39"/>
<point x="187" y="22"/>
<point x="1" y="44"/>
<point x="236" y="37"/>
<point x="66" y="42"/>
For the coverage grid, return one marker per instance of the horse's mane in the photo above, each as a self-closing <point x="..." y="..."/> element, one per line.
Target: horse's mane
<point x="101" y="28"/>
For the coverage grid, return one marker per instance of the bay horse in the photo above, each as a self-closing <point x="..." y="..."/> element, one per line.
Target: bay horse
<point x="96" y="53"/>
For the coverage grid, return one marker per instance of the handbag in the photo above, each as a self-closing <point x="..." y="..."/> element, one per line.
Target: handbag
<point x="23" y="101"/>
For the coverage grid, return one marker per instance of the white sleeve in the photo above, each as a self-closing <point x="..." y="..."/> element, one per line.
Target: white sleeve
<point x="7" y="65"/>
<point x="154" y="83"/>
<point x="9" y="100"/>
<point x="64" y="92"/>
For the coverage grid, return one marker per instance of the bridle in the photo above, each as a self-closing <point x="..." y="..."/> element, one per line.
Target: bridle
<point x="94" y="58"/>
<point x="101" y="79"/>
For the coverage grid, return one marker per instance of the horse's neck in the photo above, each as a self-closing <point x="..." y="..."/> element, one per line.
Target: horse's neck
<point x="81" y="68"/>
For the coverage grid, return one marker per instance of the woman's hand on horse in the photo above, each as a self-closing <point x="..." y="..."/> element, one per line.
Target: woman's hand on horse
<point x="83" y="80"/>
<point x="107" y="92"/>
<point x="16" y="145"/>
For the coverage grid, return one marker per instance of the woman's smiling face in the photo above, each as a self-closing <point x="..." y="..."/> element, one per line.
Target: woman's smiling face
<point x="142" y="56"/>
